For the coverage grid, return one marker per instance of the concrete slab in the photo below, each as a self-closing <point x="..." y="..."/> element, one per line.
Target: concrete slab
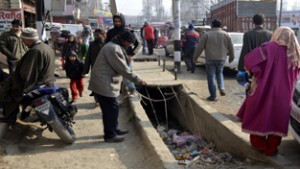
<point x="154" y="75"/>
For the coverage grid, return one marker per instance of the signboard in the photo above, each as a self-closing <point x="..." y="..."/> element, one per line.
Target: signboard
<point x="250" y="8"/>
<point x="57" y="5"/>
<point x="6" y="16"/>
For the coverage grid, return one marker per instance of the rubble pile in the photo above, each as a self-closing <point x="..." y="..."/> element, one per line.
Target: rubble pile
<point x="192" y="151"/>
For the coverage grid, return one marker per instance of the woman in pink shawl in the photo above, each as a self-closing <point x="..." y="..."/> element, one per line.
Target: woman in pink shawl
<point x="265" y="112"/>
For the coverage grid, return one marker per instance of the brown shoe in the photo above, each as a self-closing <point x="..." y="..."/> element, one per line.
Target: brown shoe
<point x="114" y="139"/>
<point x="222" y="92"/>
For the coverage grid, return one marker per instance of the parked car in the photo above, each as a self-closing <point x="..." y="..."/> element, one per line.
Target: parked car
<point x="169" y="47"/>
<point x="201" y="29"/>
<point x="75" y="29"/>
<point x="237" y="40"/>
<point x="52" y="29"/>
<point x="295" y="114"/>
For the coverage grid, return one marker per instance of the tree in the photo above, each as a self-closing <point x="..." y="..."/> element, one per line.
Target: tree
<point x="159" y="10"/>
<point x="153" y="10"/>
<point x="147" y="9"/>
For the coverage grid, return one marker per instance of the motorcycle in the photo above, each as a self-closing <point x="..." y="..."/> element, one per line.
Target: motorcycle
<point x="50" y="107"/>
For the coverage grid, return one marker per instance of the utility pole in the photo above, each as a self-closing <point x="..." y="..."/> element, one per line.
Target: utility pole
<point x="280" y="13"/>
<point x="113" y="7"/>
<point x="177" y="26"/>
<point x="40" y="9"/>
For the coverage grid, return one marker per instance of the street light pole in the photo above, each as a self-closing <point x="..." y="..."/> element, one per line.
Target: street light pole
<point x="40" y="9"/>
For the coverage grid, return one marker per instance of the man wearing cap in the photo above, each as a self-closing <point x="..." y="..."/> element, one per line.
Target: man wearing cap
<point x="35" y="68"/>
<point x="105" y="82"/>
<point x="11" y="44"/>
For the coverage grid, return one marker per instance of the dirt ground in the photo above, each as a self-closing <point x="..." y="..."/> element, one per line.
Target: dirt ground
<point x="27" y="146"/>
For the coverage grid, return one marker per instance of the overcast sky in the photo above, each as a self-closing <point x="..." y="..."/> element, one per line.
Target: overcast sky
<point x="134" y="7"/>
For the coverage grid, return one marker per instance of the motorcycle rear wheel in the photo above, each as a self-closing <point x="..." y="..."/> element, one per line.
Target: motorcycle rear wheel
<point x="64" y="132"/>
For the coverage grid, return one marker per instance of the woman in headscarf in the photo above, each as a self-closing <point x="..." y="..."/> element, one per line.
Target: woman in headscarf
<point x="265" y="112"/>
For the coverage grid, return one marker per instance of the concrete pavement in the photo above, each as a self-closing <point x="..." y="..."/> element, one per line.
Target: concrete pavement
<point x="237" y="141"/>
<point x="154" y="75"/>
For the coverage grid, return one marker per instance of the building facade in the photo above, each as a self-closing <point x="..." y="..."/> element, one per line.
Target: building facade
<point x="237" y="15"/>
<point x="17" y="9"/>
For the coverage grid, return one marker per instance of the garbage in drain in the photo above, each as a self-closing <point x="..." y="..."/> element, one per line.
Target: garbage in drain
<point x="193" y="151"/>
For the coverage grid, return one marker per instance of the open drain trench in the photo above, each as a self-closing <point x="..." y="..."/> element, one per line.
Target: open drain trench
<point x="188" y="134"/>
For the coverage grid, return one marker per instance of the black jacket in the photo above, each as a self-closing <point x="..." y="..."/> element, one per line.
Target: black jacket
<point x="91" y="55"/>
<point x="34" y="69"/>
<point x="74" y="70"/>
<point x="251" y="40"/>
<point x="116" y="30"/>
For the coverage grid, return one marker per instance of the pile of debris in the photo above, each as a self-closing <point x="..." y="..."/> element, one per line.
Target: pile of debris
<point x="193" y="151"/>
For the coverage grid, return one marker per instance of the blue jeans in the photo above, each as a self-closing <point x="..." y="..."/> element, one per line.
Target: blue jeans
<point x="188" y="58"/>
<point x="214" y="69"/>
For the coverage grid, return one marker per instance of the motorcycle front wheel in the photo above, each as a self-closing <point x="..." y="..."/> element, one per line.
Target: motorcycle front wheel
<point x="64" y="132"/>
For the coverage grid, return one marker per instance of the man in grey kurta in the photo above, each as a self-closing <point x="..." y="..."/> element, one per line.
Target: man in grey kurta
<point x="105" y="82"/>
<point x="34" y="69"/>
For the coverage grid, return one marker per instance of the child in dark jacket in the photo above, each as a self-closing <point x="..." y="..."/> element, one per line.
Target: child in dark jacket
<point x="74" y="71"/>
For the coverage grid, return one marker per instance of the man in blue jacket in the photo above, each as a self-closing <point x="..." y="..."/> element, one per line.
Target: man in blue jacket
<point x="192" y="38"/>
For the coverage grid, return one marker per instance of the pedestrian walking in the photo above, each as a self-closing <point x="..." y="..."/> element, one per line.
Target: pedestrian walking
<point x="86" y="34"/>
<point x="143" y="39"/>
<point x="68" y="46"/>
<point x="192" y="38"/>
<point x="217" y="44"/>
<point x="34" y="69"/>
<point x="254" y="38"/>
<point x="11" y="45"/>
<point x="94" y="50"/>
<point x="74" y="71"/>
<point x="119" y="27"/>
<point x="148" y="34"/>
<point x="265" y="112"/>
<point x="105" y="82"/>
<point x="82" y="48"/>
